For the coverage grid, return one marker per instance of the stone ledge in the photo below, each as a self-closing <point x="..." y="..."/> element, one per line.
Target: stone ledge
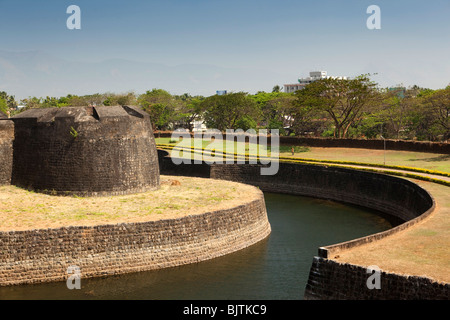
<point x="331" y="280"/>
<point x="37" y="256"/>
<point x="391" y="195"/>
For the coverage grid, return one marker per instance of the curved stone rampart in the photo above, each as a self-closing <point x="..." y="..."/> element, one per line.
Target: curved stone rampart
<point x="85" y="151"/>
<point x="390" y="195"/>
<point x="331" y="280"/>
<point x="44" y="255"/>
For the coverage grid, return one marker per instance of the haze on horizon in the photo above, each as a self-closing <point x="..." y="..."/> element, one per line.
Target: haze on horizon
<point x="201" y="46"/>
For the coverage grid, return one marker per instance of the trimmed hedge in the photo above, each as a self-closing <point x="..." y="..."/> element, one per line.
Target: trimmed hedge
<point x="293" y="159"/>
<point x="377" y="144"/>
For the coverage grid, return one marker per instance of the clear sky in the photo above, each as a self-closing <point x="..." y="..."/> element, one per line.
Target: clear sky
<point x="286" y="39"/>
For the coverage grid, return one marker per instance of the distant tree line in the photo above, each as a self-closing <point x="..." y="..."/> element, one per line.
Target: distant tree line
<point x="351" y="108"/>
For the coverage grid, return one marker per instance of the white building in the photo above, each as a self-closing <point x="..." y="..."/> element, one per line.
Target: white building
<point x="289" y="88"/>
<point x="198" y="126"/>
<point x="313" y="76"/>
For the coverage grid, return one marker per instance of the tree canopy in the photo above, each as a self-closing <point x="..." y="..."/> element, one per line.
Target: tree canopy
<point x="338" y="108"/>
<point x="343" y="100"/>
<point x="230" y="111"/>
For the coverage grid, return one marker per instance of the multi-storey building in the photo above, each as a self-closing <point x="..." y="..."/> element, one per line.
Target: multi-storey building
<point x="302" y="82"/>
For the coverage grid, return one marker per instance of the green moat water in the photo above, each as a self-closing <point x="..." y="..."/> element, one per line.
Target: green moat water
<point x="276" y="268"/>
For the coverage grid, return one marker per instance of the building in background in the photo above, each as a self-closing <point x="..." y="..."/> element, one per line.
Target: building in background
<point x="221" y="92"/>
<point x="198" y="126"/>
<point x="313" y="76"/>
<point x="399" y="90"/>
<point x="289" y="88"/>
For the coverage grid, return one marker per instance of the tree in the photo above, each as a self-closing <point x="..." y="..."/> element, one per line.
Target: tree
<point x="3" y="106"/>
<point x="191" y="109"/>
<point x="276" y="109"/>
<point x="276" y="88"/>
<point x="306" y="118"/>
<point x="7" y="102"/>
<point x="438" y="105"/>
<point x="32" y="102"/>
<point x="161" y="115"/>
<point x="394" y="113"/>
<point x="161" y="106"/>
<point x="115" y="99"/>
<point x="343" y="100"/>
<point x="229" y="111"/>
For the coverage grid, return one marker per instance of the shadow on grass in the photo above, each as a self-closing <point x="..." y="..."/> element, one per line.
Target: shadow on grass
<point x="443" y="157"/>
<point x="297" y="149"/>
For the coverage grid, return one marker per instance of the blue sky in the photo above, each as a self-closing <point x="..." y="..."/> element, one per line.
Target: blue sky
<point x="285" y="39"/>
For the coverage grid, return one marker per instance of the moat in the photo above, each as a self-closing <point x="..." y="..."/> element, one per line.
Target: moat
<point x="276" y="268"/>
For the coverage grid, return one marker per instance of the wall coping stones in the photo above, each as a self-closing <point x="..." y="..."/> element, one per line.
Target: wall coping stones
<point x="396" y="196"/>
<point x="43" y="255"/>
<point x="86" y="151"/>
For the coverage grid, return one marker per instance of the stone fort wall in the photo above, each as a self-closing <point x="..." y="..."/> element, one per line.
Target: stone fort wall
<point x="38" y="148"/>
<point x="36" y="256"/>
<point x="85" y="151"/>
<point x="44" y="255"/>
<point x="396" y="197"/>
<point x="330" y="280"/>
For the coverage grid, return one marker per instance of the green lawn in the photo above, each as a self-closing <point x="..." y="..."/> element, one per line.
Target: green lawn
<point x="431" y="161"/>
<point x="207" y="144"/>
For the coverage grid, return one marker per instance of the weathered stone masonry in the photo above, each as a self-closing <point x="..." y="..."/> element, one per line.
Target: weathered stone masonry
<point x="105" y="151"/>
<point x="44" y="255"/>
<point x="85" y="151"/>
<point x="330" y="280"/>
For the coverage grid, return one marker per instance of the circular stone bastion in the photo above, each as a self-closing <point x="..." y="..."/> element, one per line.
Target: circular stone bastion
<point x="187" y="220"/>
<point x="82" y="190"/>
<point x="85" y="151"/>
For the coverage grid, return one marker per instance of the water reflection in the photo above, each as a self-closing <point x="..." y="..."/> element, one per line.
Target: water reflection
<point x="275" y="268"/>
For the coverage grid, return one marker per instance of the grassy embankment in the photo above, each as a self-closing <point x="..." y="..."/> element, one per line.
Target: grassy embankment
<point x="22" y="210"/>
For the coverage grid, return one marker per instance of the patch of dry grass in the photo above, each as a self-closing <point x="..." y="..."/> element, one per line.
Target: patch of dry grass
<point x="421" y="250"/>
<point x="22" y="210"/>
